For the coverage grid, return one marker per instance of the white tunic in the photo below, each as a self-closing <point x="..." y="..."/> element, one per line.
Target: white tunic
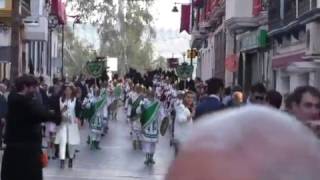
<point x="183" y="126"/>
<point x="68" y="131"/>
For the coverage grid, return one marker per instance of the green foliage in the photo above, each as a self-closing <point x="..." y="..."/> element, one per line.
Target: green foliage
<point x="160" y="62"/>
<point x="124" y="27"/>
<point x="76" y="54"/>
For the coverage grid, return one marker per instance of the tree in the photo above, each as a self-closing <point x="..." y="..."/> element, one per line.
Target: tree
<point x="76" y="53"/>
<point x="160" y="62"/>
<point x="124" y="27"/>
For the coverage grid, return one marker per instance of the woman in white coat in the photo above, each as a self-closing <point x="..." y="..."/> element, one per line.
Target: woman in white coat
<point x="183" y="120"/>
<point x="68" y="135"/>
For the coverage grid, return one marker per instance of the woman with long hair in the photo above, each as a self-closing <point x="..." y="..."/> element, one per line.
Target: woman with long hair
<point x="68" y="135"/>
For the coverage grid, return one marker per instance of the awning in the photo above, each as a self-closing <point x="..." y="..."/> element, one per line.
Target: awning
<point x="185" y="18"/>
<point x="282" y="62"/>
<point x="5" y="53"/>
<point x="59" y="10"/>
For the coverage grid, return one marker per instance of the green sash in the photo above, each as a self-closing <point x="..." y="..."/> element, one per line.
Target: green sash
<point x="136" y="103"/>
<point x="96" y="107"/>
<point x="117" y="91"/>
<point x="149" y="114"/>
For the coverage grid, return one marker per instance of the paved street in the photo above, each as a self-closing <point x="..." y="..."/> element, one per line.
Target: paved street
<point x="116" y="161"/>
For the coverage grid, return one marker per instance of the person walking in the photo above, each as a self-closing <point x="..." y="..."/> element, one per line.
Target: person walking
<point x="22" y="156"/>
<point x="183" y="120"/>
<point x="68" y="135"/>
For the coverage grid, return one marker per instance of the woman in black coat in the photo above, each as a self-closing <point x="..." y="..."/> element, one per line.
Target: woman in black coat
<point x="22" y="157"/>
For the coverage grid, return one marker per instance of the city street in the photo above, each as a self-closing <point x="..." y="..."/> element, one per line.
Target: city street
<point x="116" y="161"/>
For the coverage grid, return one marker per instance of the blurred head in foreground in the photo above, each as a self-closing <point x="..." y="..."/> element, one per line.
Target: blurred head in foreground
<point x="249" y="143"/>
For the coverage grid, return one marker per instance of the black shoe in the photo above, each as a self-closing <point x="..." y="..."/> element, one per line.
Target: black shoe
<point x="88" y="140"/>
<point x="92" y="145"/>
<point x="70" y="164"/>
<point x="134" y="143"/>
<point x="62" y="164"/>
<point x="98" y="145"/>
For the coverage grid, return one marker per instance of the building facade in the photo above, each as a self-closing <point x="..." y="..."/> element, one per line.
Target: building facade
<point x="38" y="43"/>
<point x="294" y="28"/>
<point x="208" y="36"/>
<point x="246" y="27"/>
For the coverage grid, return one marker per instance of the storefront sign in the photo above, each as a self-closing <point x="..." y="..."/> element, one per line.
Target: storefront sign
<point x="253" y="40"/>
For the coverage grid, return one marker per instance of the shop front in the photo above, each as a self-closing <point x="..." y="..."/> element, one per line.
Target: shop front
<point x="253" y="65"/>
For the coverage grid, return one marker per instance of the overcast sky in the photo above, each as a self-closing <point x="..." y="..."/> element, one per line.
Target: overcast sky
<point x="169" y="40"/>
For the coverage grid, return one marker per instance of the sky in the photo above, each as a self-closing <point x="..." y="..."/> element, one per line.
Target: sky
<point x="169" y="41"/>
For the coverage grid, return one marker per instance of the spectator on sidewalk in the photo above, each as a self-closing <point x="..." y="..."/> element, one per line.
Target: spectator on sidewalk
<point x="250" y="143"/>
<point x="306" y="103"/>
<point x="22" y="156"/>
<point x="3" y="110"/>
<point x="274" y="99"/>
<point x="212" y="102"/>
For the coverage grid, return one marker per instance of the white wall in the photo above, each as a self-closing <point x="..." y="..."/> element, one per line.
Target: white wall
<point x="238" y="8"/>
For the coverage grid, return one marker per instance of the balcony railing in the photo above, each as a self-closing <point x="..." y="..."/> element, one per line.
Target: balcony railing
<point x="275" y="23"/>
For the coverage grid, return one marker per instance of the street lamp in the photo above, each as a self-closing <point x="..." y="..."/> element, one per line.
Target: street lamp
<point x="175" y="8"/>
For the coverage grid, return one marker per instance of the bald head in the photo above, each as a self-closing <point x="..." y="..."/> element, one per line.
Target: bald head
<point x="250" y="143"/>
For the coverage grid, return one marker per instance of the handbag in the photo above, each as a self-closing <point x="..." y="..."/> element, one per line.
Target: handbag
<point x="44" y="159"/>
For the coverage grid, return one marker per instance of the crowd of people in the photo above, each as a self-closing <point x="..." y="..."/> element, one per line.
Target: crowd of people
<point x="35" y="116"/>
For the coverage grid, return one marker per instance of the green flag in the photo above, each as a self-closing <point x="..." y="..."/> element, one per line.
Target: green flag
<point x="149" y="114"/>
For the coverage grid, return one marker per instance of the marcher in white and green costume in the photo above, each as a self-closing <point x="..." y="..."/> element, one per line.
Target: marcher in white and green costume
<point x="150" y="128"/>
<point x="96" y="113"/>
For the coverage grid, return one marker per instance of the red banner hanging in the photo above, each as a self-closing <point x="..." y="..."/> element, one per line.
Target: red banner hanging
<point x="185" y="18"/>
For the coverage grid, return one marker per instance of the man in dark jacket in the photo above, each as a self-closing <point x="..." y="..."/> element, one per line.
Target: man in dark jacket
<point x="3" y="110"/>
<point x="22" y="156"/>
<point x="82" y="85"/>
<point x="212" y="102"/>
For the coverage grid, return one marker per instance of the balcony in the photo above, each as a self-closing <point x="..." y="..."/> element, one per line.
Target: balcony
<point x="275" y="23"/>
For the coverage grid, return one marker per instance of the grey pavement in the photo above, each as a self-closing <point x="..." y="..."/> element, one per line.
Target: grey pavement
<point x="116" y="161"/>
